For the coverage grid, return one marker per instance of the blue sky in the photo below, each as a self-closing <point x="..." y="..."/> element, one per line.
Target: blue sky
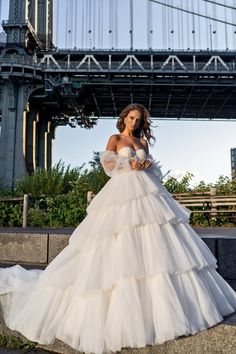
<point x="202" y="148"/>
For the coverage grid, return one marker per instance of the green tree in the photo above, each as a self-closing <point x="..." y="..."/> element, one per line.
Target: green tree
<point x="59" y="195"/>
<point x="54" y="181"/>
<point x="174" y="186"/>
<point x="225" y="185"/>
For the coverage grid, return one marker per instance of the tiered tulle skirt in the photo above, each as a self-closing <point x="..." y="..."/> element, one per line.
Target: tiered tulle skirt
<point x="134" y="273"/>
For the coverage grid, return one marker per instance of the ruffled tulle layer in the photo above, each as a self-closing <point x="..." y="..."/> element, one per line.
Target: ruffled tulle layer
<point x="126" y="186"/>
<point x="149" y="209"/>
<point x="134" y="313"/>
<point x="138" y="252"/>
<point x="109" y="213"/>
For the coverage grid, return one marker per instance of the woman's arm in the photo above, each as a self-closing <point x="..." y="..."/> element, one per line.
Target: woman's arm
<point x="145" y="143"/>
<point x="147" y="162"/>
<point x="112" y="143"/>
<point x="150" y="163"/>
<point x="111" y="161"/>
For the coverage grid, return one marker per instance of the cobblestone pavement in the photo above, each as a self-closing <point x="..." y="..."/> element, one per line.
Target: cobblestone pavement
<point x="23" y="351"/>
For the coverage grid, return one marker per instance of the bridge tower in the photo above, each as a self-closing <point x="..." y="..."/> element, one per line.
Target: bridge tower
<point x="26" y="131"/>
<point x="30" y="23"/>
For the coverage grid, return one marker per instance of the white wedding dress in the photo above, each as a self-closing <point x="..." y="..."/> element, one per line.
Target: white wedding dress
<point x="134" y="272"/>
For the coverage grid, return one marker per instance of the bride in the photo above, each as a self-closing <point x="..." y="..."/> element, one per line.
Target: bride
<point x="134" y="272"/>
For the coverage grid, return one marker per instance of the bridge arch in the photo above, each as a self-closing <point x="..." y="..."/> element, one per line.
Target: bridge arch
<point x="12" y="50"/>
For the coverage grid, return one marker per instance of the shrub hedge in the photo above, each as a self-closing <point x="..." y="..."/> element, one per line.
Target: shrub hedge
<point x="58" y="197"/>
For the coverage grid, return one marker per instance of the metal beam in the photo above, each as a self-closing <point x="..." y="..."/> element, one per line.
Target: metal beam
<point x="223" y="103"/>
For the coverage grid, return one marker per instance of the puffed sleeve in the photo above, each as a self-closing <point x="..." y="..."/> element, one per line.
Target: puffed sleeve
<point x="113" y="163"/>
<point x="154" y="168"/>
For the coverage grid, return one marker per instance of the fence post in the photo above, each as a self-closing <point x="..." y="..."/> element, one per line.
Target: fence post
<point x="90" y="196"/>
<point x="213" y="203"/>
<point x="25" y="209"/>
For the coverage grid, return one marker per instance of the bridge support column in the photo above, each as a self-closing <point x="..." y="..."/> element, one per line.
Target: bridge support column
<point x="45" y="22"/>
<point x="13" y="127"/>
<point x="45" y="135"/>
<point x="31" y="122"/>
<point x="50" y="138"/>
<point x="33" y="13"/>
<point x="42" y="128"/>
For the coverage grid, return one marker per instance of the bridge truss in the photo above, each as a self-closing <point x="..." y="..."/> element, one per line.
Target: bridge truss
<point x="172" y="85"/>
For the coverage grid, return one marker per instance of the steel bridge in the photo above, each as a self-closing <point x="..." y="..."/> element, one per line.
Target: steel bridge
<point x="43" y="86"/>
<point x="176" y="85"/>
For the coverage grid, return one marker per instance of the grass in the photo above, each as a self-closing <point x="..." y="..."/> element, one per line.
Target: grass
<point x="12" y="342"/>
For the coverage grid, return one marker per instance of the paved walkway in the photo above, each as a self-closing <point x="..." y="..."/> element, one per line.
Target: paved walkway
<point x="219" y="339"/>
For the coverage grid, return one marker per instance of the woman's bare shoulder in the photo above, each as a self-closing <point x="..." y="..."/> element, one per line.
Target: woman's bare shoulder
<point x="114" y="137"/>
<point x="112" y="142"/>
<point x="144" y="142"/>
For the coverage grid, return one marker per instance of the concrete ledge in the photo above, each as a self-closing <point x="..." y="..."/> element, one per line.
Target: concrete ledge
<point x="219" y="339"/>
<point x="30" y="248"/>
<point x="224" y="249"/>
<point x="227" y="258"/>
<point x="56" y="244"/>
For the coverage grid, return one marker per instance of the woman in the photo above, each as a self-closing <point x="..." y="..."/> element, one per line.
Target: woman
<point x="134" y="272"/>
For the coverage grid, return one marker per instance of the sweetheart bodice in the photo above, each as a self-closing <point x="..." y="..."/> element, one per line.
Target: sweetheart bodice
<point x="130" y="152"/>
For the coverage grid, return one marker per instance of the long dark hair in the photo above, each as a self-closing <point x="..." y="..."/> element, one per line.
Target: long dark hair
<point x="144" y="126"/>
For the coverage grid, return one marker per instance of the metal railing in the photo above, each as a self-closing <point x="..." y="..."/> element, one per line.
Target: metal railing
<point x="207" y="203"/>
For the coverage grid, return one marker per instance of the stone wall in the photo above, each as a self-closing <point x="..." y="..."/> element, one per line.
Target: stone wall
<point x="37" y="249"/>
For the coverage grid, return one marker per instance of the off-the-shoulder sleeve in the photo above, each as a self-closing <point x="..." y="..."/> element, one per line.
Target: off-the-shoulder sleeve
<point x="155" y="167"/>
<point x="114" y="163"/>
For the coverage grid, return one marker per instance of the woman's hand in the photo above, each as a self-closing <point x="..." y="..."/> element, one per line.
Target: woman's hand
<point x="146" y="163"/>
<point x="136" y="164"/>
<point x="140" y="165"/>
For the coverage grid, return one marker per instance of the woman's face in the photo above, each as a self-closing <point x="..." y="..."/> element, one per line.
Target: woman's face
<point x="133" y="119"/>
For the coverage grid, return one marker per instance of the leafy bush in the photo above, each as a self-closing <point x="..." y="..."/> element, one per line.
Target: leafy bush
<point x="225" y="186"/>
<point x="91" y="180"/>
<point x="38" y="217"/>
<point x="11" y="214"/>
<point x="67" y="210"/>
<point x="62" y="210"/>
<point x="182" y="186"/>
<point x="12" y="342"/>
<point x="57" y="180"/>
<point x="58" y="197"/>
